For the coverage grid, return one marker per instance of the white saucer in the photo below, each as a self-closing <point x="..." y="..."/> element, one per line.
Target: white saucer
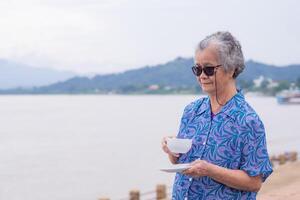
<point x="176" y="168"/>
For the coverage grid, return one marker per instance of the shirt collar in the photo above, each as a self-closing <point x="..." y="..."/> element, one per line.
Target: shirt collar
<point x="234" y="105"/>
<point x="230" y="108"/>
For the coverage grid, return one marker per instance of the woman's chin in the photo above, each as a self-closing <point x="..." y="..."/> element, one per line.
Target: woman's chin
<point x="207" y="89"/>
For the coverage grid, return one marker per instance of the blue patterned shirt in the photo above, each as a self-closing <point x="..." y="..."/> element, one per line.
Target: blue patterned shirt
<point x="234" y="138"/>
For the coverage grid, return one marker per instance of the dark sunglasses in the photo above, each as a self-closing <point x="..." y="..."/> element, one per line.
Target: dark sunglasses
<point x="208" y="70"/>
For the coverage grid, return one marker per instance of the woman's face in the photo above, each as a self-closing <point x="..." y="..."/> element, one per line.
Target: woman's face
<point x="209" y="57"/>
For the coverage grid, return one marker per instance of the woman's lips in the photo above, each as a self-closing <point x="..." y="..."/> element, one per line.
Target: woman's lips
<point x="206" y="83"/>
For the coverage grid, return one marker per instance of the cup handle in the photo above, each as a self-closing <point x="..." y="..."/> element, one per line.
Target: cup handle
<point x="168" y="139"/>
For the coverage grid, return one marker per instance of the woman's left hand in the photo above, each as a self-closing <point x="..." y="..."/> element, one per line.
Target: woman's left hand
<point x="198" y="168"/>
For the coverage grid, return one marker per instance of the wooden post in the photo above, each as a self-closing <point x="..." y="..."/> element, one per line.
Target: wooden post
<point x="282" y="159"/>
<point x="134" y="195"/>
<point x="293" y="156"/>
<point x="161" y="192"/>
<point x="273" y="159"/>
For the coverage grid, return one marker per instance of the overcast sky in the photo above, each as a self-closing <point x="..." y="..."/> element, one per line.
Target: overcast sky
<point x="114" y="35"/>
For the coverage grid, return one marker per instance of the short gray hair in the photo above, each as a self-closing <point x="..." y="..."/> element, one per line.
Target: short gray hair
<point x="229" y="51"/>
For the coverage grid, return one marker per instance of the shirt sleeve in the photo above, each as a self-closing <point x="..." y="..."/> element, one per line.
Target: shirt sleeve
<point x="254" y="157"/>
<point x="188" y="113"/>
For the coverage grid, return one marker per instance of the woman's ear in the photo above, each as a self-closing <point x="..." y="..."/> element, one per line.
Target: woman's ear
<point x="234" y="74"/>
<point x="231" y="73"/>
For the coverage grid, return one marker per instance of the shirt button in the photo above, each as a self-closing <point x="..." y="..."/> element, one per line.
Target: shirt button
<point x="185" y="198"/>
<point x="204" y="143"/>
<point x="190" y="179"/>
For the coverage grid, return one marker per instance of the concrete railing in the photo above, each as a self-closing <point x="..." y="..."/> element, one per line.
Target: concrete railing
<point x="161" y="193"/>
<point x="285" y="157"/>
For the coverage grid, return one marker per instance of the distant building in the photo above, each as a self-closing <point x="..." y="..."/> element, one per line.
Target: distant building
<point x="273" y="84"/>
<point x="167" y="88"/>
<point x="257" y="82"/>
<point x="264" y="80"/>
<point x="153" y="87"/>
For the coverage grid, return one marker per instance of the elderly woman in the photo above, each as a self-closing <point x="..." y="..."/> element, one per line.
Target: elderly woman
<point x="229" y="158"/>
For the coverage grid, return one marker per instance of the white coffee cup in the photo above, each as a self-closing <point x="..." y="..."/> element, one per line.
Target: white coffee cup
<point x="178" y="145"/>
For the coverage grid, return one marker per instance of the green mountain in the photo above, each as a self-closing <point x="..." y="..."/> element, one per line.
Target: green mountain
<point x="172" y="77"/>
<point x="283" y="73"/>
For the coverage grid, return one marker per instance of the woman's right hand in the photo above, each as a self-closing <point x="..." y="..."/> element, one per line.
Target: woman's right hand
<point x="165" y="147"/>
